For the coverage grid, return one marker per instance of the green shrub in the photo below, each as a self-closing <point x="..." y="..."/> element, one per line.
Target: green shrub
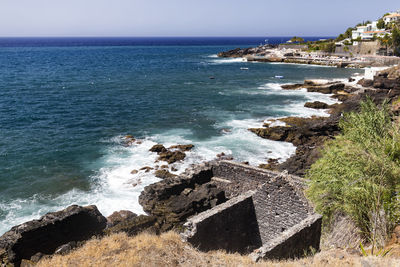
<point x="359" y="171"/>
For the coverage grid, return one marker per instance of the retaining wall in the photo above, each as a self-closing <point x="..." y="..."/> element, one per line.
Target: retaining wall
<point x="231" y="226"/>
<point x="273" y="215"/>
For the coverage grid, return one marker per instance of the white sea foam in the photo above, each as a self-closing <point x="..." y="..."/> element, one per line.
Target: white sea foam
<point x="227" y="61"/>
<point x="297" y="108"/>
<point x="116" y="188"/>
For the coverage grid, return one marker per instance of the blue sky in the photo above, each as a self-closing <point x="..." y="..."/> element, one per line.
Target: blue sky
<point x="186" y="17"/>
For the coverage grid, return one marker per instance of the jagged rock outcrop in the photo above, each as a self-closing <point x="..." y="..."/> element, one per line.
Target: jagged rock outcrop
<point x="239" y="52"/>
<point x="388" y="79"/>
<point x="298" y="130"/>
<point x="294" y="86"/>
<point x="119" y="216"/>
<point x="306" y="134"/>
<point x="158" y="148"/>
<point x="314" y="86"/>
<point x="330" y="88"/>
<point x="163" y="173"/>
<point x="135" y="225"/>
<point x="365" y="82"/>
<point x="172" y="154"/>
<point x="45" y="235"/>
<point x="316" y="105"/>
<point x="172" y="200"/>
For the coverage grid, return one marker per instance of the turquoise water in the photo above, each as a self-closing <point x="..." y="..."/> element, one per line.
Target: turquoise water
<point x="65" y="110"/>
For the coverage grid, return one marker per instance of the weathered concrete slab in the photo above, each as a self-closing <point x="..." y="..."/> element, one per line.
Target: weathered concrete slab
<point x="296" y="242"/>
<point x="231" y="226"/>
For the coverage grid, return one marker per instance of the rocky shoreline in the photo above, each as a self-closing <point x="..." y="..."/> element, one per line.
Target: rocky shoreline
<point x="309" y="134"/>
<point x="280" y="54"/>
<point x="170" y="202"/>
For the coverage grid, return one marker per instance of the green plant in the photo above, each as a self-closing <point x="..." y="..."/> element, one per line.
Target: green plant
<point x="381" y="253"/>
<point x="380" y="24"/>
<point x="310" y="252"/>
<point x="386" y="41"/>
<point x="297" y="40"/>
<point x="396" y="40"/>
<point x="359" y="171"/>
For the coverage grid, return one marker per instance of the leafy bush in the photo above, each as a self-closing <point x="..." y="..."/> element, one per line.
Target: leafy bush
<point x="380" y="24"/>
<point x="359" y="171"/>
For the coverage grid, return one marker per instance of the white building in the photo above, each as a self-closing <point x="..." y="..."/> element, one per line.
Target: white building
<point x="368" y="35"/>
<point x="368" y="31"/>
<point x="392" y="17"/>
<point x="358" y="32"/>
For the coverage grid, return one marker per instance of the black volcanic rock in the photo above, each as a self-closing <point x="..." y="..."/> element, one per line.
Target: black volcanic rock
<point x="316" y="105"/>
<point x="365" y="82"/>
<point x="134" y="225"/>
<point x="239" y="52"/>
<point x="158" y="148"/>
<point x="45" y="235"/>
<point x="119" y="216"/>
<point x="174" y="199"/>
<point x="163" y="173"/>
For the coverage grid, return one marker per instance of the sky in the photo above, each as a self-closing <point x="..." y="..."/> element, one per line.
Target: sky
<point x="51" y="18"/>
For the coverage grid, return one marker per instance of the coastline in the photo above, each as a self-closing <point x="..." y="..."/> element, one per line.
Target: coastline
<point x="146" y="169"/>
<point x="161" y="198"/>
<point x="267" y="53"/>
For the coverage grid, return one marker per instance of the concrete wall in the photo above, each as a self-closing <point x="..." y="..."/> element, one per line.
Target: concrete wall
<point x="242" y="178"/>
<point x="278" y="208"/>
<point x="231" y="226"/>
<point x="274" y="216"/>
<point x="296" y="242"/>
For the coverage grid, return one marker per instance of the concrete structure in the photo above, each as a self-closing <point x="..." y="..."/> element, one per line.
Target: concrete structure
<point x="267" y="215"/>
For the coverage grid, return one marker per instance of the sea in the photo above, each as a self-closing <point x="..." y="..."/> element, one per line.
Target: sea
<point x="67" y="104"/>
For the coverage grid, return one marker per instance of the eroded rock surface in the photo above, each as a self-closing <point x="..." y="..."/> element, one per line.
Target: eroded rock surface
<point x="119" y="216"/>
<point x="54" y="229"/>
<point x="135" y="225"/>
<point x="174" y="199"/>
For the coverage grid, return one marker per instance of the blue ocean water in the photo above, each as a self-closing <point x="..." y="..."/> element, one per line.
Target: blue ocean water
<point x="66" y="105"/>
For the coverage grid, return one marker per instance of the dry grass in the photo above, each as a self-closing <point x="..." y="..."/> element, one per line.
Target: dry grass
<point x="169" y="250"/>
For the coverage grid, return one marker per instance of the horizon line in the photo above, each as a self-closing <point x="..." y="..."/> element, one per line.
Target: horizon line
<point x="161" y="36"/>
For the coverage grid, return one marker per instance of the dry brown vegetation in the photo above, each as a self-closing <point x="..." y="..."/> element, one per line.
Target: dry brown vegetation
<point x="169" y="250"/>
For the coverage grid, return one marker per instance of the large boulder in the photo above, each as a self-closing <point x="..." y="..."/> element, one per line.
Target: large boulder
<point x="294" y="86"/>
<point x="134" y="225"/>
<point x="45" y="235"/>
<point x="316" y="105"/>
<point x="365" y="82"/>
<point x="158" y="148"/>
<point x="174" y="199"/>
<point x="388" y="79"/>
<point x="171" y="156"/>
<point x="329" y="88"/>
<point x="238" y="52"/>
<point x="119" y="216"/>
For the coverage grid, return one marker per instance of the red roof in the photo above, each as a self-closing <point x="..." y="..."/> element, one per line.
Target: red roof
<point x="374" y="31"/>
<point x="392" y="15"/>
